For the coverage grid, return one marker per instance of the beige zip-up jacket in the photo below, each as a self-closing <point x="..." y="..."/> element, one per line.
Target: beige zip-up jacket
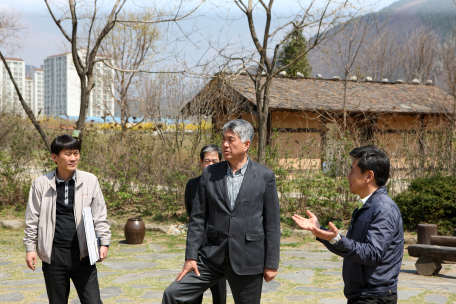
<point x="41" y="210"/>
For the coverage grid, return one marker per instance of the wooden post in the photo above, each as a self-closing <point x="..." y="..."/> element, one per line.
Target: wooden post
<point x="322" y="141"/>
<point x="447" y="241"/>
<point x="454" y="232"/>
<point x="269" y="126"/>
<point x="424" y="232"/>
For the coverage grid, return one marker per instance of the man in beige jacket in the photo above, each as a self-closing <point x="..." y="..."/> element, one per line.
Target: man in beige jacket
<point x="54" y="225"/>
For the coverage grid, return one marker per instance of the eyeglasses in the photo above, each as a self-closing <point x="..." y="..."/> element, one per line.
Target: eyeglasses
<point x="208" y="161"/>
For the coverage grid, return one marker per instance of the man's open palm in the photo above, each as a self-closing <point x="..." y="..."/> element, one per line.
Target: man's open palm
<point x="307" y="224"/>
<point x="311" y="224"/>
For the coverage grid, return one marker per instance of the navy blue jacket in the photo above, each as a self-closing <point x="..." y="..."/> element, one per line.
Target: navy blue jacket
<point x="372" y="249"/>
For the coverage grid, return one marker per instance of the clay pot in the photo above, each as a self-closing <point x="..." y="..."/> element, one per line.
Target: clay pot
<point x="135" y="230"/>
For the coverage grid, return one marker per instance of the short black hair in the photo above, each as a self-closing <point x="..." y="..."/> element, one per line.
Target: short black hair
<point x="372" y="158"/>
<point x="64" y="142"/>
<point x="211" y="148"/>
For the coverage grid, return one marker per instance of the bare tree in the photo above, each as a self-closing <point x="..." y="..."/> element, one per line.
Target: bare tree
<point x="345" y="52"/>
<point x="90" y="24"/>
<point x="449" y="67"/>
<point x="419" y="54"/>
<point x="130" y="47"/>
<point x="381" y="58"/>
<point x="311" y="19"/>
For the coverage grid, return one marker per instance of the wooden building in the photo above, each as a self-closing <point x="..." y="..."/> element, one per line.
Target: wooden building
<point x="304" y="111"/>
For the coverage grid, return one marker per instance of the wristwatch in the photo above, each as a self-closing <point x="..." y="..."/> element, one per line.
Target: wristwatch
<point x="335" y="240"/>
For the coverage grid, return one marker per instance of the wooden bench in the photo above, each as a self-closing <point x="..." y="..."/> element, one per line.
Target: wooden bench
<point x="429" y="257"/>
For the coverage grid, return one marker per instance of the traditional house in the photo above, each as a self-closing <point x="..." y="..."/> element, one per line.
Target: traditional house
<point x="307" y="113"/>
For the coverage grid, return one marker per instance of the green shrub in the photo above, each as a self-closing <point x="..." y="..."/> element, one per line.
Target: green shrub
<point x="429" y="200"/>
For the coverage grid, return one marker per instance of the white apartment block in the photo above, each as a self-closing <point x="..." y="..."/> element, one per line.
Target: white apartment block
<point x="9" y="100"/>
<point x="62" y="88"/>
<point x="37" y="76"/>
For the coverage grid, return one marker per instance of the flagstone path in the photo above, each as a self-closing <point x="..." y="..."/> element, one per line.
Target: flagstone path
<point x="140" y="273"/>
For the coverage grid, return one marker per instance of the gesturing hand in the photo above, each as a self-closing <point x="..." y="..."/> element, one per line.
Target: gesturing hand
<point x="307" y="224"/>
<point x="188" y="266"/>
<point x="311" y="224"/>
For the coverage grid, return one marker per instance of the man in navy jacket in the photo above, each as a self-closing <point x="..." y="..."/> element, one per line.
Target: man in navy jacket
<point x="374" y="245"/>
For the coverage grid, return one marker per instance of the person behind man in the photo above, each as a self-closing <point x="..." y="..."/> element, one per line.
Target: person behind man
<point x="238" y="210"/>
<point x="210" y="154"/>
<point x="54" y="225"/>
<point x="374" y="245"/>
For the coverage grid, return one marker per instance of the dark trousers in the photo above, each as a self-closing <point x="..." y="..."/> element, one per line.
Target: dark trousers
<point x="246" y="289"/>
<point x="218" y="293"/>
<point x="66" y="264"/>
<point x="392" y="299"/>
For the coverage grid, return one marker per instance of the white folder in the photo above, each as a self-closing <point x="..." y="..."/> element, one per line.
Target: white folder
<point x="93" y="242"/>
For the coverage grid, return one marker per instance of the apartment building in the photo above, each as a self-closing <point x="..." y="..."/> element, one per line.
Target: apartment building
<point x="62" y="88"/>
<point x="37" y="103"/>
<point x="9" y="100"/>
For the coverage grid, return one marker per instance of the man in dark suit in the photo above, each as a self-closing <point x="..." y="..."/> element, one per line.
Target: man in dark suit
<point x="210" y="154"/>
<point x="238" y="210"/>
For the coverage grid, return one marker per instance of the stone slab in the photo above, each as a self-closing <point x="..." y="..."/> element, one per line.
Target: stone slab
<point x="333" y="273"/>
<point x="152" y="294"/>
<point x="5" y="263"/>
<point x="308" y="255"/>
<point x="28" y="270"/>
<point x="5" y="275"/>
<point x="104" y="274"/>
<point x="109" y="292"/>
<point x="296" y="298"/>
<point x="39" y="302"/>
<point x="12" y="297"/>
<point x="22" y="282"/>
<point x="332" y="301"/>
<point x="129" y="265"/>
<point x="313" y="264"/>
<point x="438" y="299"/>
<point x="43" y="296"/>
<point x="407" y="294"/>
<point x="270" y="286"/>
<point x="167" y="279"/>
<point x="155" y="247"/>
<point x="158" y="256"/>
<point x="148" y="274"/>
<point x="139" y="286"/>
<point x="127" y="250"/>
<point x="316" y="289"/>
<point x="302" y="277"/>
<point x="123" y="301"/>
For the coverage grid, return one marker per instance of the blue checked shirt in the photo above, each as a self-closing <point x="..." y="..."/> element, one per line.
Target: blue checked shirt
<point x="234" y="182"/>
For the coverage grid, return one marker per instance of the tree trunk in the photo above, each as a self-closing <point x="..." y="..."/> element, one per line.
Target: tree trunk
<point x="85" y="97"/>
<point x="263" y="114"/>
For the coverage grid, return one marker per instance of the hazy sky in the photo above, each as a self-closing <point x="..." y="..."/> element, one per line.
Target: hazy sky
<point x="44" y="38"/>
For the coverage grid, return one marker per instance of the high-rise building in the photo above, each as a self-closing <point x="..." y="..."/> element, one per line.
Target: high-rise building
<point x="62" y="88"/>
<point x="9" y="100"/>
<point x="37" y="76"/>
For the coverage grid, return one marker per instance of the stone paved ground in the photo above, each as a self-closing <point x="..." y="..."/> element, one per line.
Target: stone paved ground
<point x="139" y="274"/>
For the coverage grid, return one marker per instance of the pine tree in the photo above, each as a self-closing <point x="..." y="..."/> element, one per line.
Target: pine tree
<point x="292" y="48"/>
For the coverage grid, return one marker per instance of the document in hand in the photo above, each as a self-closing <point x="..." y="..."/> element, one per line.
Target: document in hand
<point x="93" y="242"/>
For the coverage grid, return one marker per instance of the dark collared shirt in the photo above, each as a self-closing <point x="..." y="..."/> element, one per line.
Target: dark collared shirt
<point x="65" y="235"/>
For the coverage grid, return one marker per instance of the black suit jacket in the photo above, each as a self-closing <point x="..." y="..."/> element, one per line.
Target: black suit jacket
<point x="191" y="191"/>
<point x="250" y="233"/>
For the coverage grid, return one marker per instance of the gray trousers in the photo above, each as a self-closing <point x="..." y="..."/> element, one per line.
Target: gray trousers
<point x="246" y="289"/>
